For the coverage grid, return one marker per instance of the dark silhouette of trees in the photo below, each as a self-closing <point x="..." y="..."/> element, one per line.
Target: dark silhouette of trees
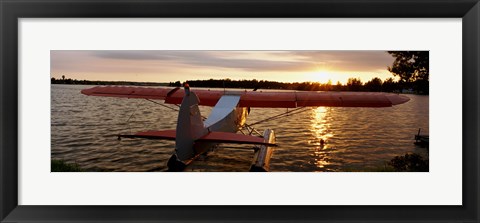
<point x="421" y="86"/>
<point x="389" y="85"/>
<point x="413" y="69"/>
<point x="176" y="84"/>
<point x="411" y="162"/>
<point x="327" y="86"/>
<point x="65" y="80"/>
<point x="338" y="86"/>
<point x="374" y="85"/>
<point x="354" y="84"/>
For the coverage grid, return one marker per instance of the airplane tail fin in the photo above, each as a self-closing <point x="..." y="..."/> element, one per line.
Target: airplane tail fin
<point x="190" y="126"/>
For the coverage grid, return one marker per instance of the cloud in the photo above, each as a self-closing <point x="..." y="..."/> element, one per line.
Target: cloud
<point x="355" y="61"/>
<point x="209" y="59"/>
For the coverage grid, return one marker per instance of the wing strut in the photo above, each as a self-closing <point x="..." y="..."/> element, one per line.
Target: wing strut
<point x="162" y="105"/>
<point x="282" y="115"/>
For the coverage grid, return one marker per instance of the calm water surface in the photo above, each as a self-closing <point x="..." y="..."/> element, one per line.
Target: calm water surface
<point x="84" y="130"/>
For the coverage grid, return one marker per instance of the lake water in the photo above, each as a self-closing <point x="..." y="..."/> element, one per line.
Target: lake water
<point x="84" y="130"/>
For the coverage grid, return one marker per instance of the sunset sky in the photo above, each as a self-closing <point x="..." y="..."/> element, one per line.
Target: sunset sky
<point x="170" y="66"/>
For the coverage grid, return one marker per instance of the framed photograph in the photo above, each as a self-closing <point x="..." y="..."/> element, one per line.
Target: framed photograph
<point x="239" y="111"/>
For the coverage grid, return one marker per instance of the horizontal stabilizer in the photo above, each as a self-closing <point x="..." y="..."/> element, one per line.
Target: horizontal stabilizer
<point x="216" y="137"/>
<point x="228" y="137"/>
<point x="164" y="134"/>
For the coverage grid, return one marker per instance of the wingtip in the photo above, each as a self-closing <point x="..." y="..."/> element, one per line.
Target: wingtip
<point x="397" y="99"/>
<point x="89" y="91"/>
<point x="85" y="91"/>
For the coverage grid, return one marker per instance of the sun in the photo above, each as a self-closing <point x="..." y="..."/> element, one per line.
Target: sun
<point x="322" y="76"/>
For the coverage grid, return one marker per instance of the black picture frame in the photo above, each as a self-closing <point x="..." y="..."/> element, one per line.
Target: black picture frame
<point x="12" y="10"/>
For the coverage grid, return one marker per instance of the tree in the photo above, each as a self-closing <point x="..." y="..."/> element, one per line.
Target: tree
<point x="354" y="84"/>
<point x="63" y="77"/>
<point x="374" y="85"/>
<point x="410" y="65"/>
<point x="338" y="86"/>
<point x="389" y="85"/>
<point x="327" y="86"/>
<point x="413" y="69"/>
<point x="421" y="86"/>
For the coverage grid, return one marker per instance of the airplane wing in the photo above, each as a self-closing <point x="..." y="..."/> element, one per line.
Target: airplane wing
<point x="129" y="92"/>
<point x="215" y="137"/>
<point x="259" y="99"/>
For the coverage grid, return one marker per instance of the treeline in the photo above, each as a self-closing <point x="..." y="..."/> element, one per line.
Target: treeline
<point x="353" y="84"/>
<point x="87" y="82"/>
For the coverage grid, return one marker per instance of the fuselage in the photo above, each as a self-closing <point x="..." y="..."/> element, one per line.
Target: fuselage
<point x="227" y="116"/>
<point x="231" y="121"/>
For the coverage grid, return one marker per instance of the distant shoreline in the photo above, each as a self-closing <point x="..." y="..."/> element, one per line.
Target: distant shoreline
<point x="87" y="82"/>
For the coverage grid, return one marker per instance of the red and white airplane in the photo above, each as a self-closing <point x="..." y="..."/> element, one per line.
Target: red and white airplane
<point x="194" y="137"/>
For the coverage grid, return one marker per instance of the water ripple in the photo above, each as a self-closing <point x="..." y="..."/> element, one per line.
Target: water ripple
<point x="84" y="131"/>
